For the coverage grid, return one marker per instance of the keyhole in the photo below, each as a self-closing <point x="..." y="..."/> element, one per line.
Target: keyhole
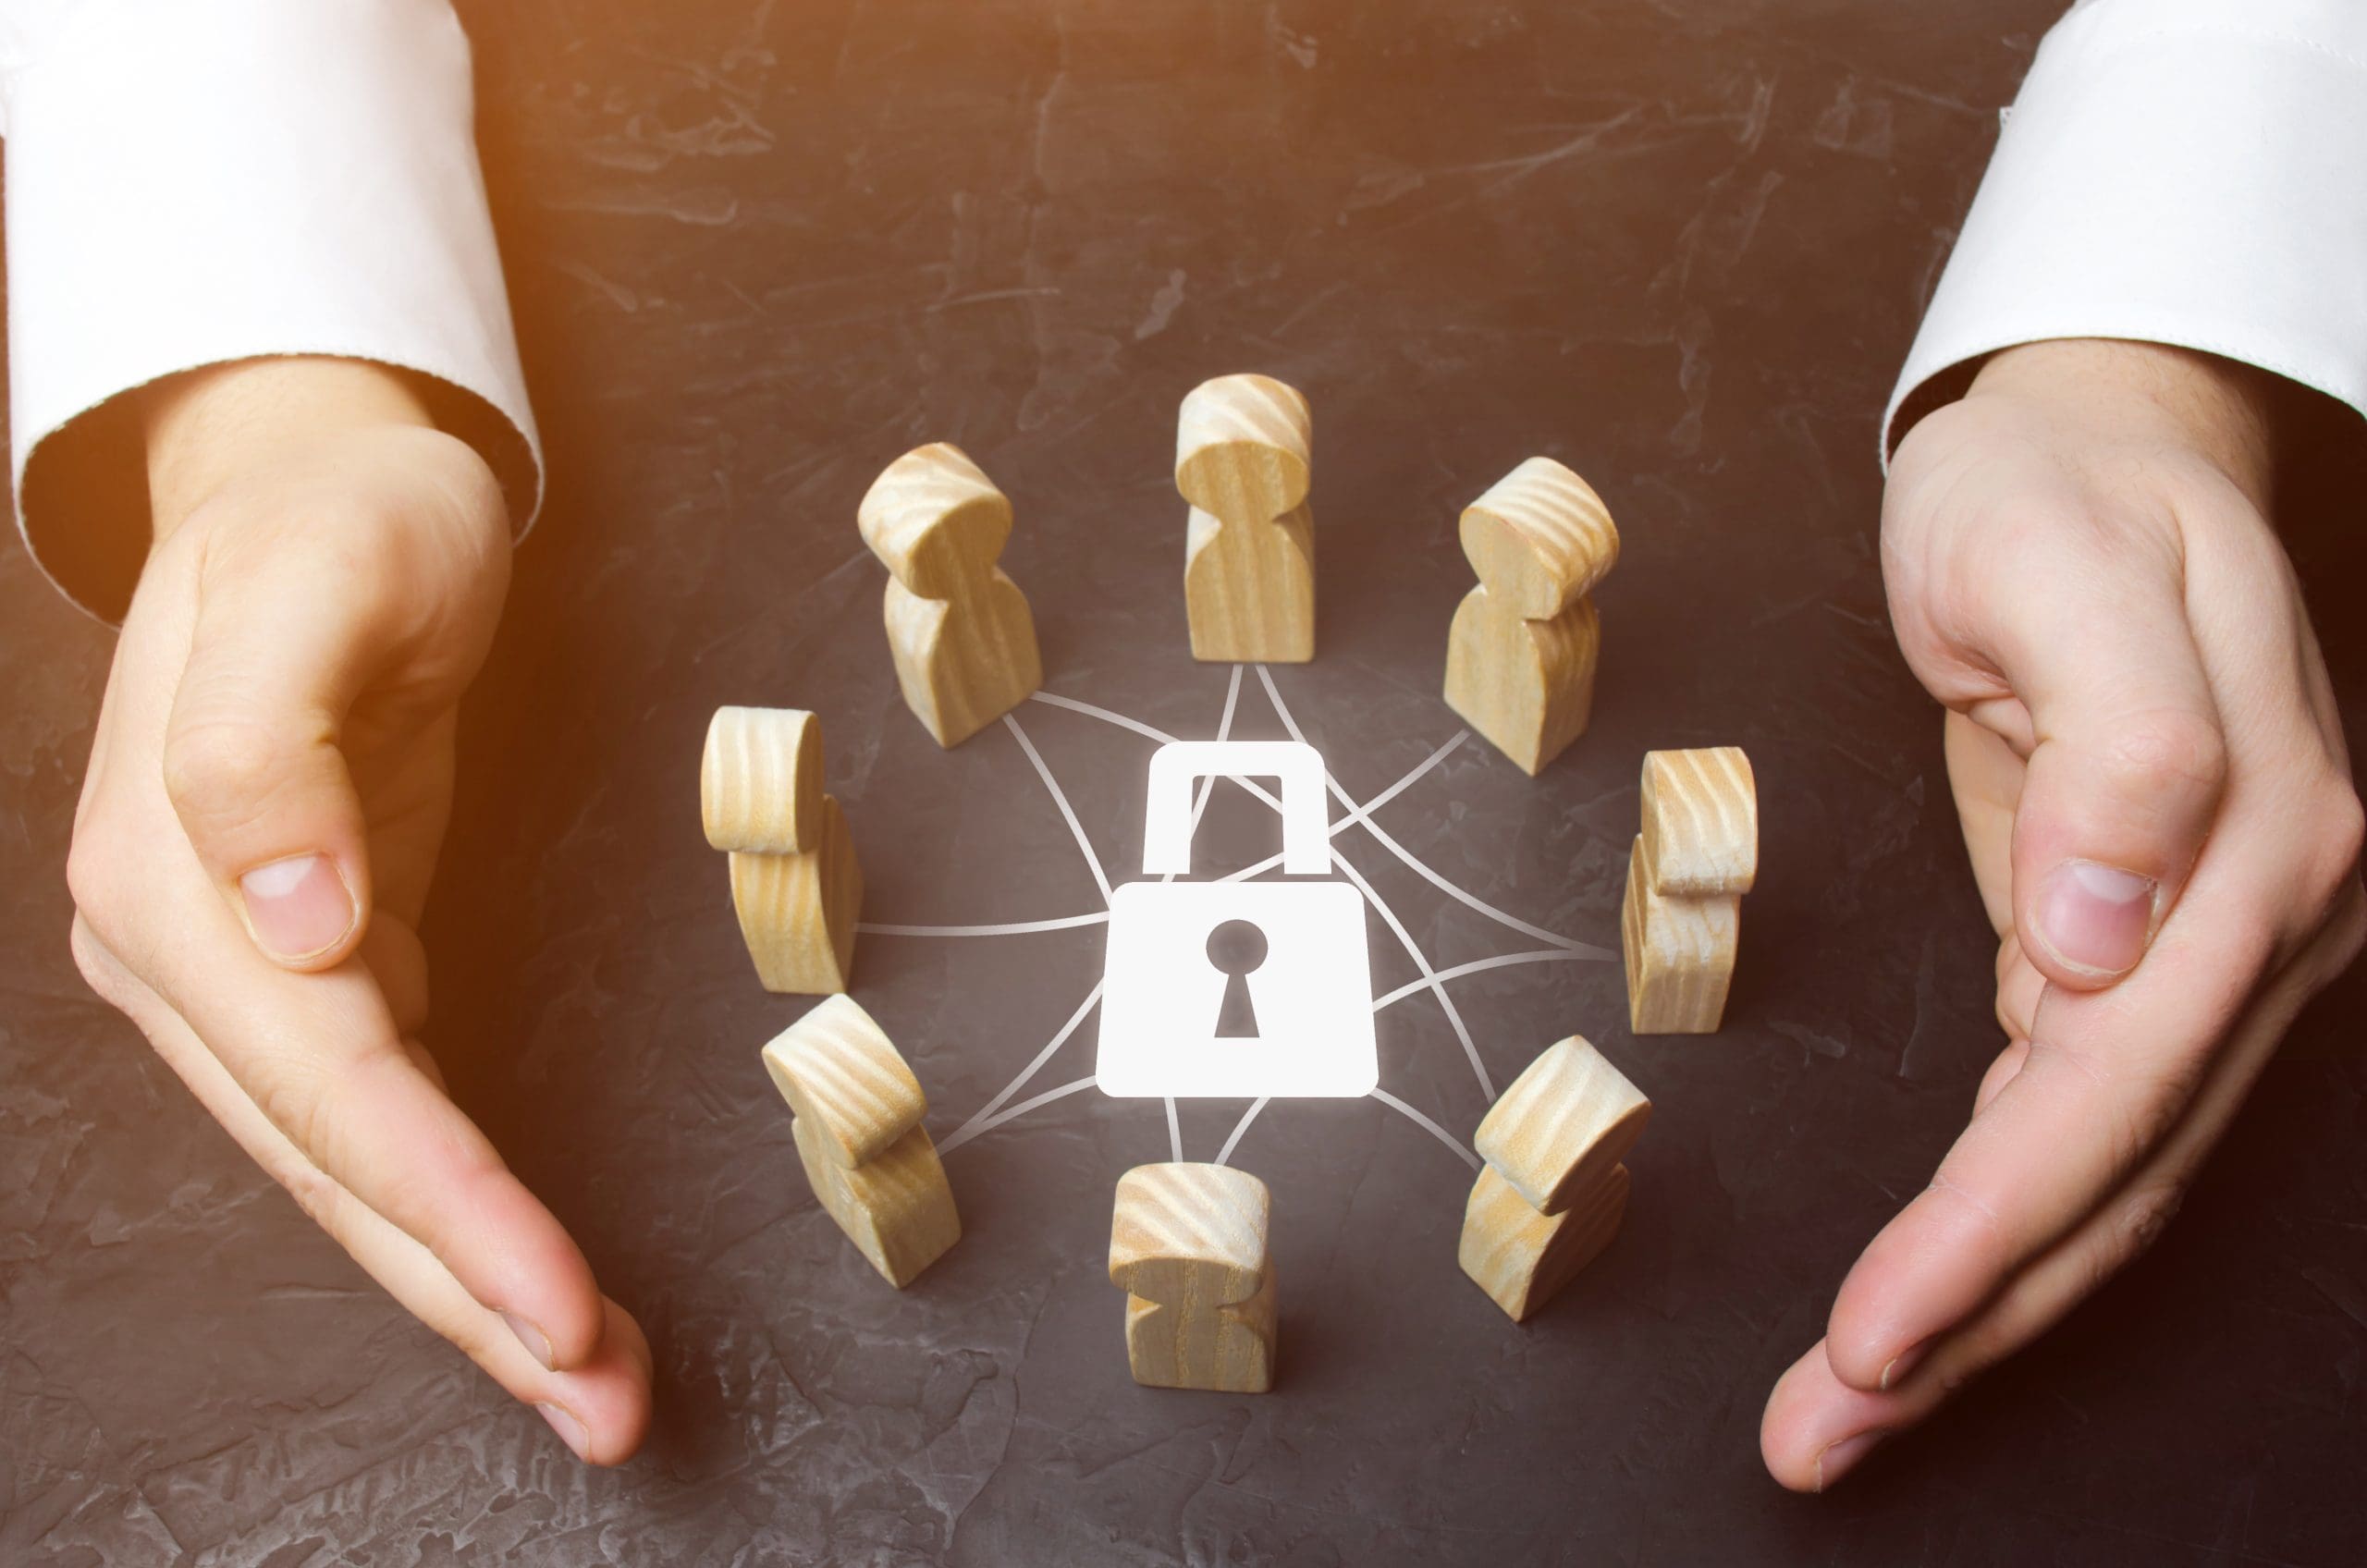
<point x="1234" y="948"/>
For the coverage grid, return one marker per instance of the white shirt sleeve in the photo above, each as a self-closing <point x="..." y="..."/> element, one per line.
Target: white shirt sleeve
<point x="194" y="181"/>
<point x="2190" y="172"/>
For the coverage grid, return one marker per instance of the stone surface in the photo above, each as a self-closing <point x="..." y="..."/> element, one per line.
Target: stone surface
<point x="758" y="250"/>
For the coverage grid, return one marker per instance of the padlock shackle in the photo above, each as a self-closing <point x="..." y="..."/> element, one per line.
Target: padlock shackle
<point x="1177" y="766"/>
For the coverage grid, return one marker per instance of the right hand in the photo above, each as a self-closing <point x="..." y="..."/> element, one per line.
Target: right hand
<point x="267" y="796"/>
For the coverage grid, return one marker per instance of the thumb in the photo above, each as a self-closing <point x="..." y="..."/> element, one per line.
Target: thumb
<point x="282" y="642"/>
<point x="2124" y="781"/>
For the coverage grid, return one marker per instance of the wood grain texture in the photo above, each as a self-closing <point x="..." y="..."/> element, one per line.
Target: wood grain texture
<point x="1244" y="447"/>
<point x="1527" y="686"/>
<point x="845" y="1081"/>
<point x="1183" y="1232"/>
<point x="1700" y="821"/>
<point x="1679" y="952"/>
<point x="798" y="912"/>
<point x="1562" y="1124"/>
<point x="1522" y="651"/>
<point x="1539" y="539"/>
<point x="1229" y="1349"/>
<point x="934" y="521"/>
<point x="1188" y="1244"/>
<point x="959" y="630"/>
<point x="1249" y="589"/>
<point x="1523" y="1258"/>
<point x="760" y="780"/>
<point x="897" y="1207"/>
<point x="1243" y="459"/>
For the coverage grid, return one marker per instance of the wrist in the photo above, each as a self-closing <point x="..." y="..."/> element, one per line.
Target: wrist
<point x="206" y="427"/>
<point x="2221" y="410"/>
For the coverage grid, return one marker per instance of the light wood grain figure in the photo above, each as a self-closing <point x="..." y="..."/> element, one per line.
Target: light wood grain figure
<point x="959" y="630"/>
<point x="1182" y="1232"/>
<point x="760" y="780"/>
<point x="1701" y="812"/>
<point x="1679" y="952"/>
<point x="1524" y="646"/>
<point x="1230" y="1350"/>
<point x="1523" y="1258"/>
<point x="798" y="912"/>
<point x="1539" y="538"/>
<point x="1526" y="686"/>
<point x="1188" y="1244"/>
<point x="897" y="1207"/>
<point x="845" y="1081"/>
<point x="1243" y="459"/>
<point x="1562" y="1124"/>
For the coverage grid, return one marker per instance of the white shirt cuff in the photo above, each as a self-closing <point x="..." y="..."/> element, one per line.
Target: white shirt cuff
<point x="189" y="184"/>
<point x="2191" y="172"/>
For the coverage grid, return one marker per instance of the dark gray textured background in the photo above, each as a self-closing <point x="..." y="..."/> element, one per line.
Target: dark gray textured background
<point x="758" y="250"/>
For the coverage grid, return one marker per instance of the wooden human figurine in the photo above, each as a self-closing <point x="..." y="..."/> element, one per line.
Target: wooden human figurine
<point x="1187" y="1244"/>
<point x="1243" y="459"/>
<point x="959" y="629"/>
<point x="795" y="882"/>
<point x="1521" y="652"/>
<point x="1686" y="872"/>
<point x="1553" y="1190"/>
<point x="857" y="1121"/>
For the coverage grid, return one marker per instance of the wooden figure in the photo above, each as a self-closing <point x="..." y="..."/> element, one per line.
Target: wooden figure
<point x="1553" y="1189"/>
<point x="760" y="780"/>
<point x="896" y="1209"/>
<point x="1680" y="922"/>
<point x="1188" y="1245"/>
<point x="838" y="1070"/>
<point x="1680" y="954"/>
<point x="959" y="629"/>
<point x="1701" y="821"/>
<point x="857" y="1121"/>
<point x="1243" y="459"/>
<point x="795" y="882"/>
<point x="1555" y="1134"/>
<point x="1521" y="1257"/>
<point x="1521" y="652"/>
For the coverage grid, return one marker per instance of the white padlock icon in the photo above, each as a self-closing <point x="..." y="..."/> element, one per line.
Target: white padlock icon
<point x="1237" y="989"/>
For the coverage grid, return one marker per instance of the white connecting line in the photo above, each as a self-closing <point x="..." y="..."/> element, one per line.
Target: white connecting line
<point x="1068" y="813"/>
<point x="1389" y="916"/>
<point x="1432" y="1128"/>
<point x="1225" y="1154"/>
<point x="1385" y="1098"/>
<point x="1565" y="948"/>
<point x="1014" y="1114"/>
<point x="986" y="1121"/>
<point x="1552" y="955"/>
<point x="1555" y="955"/>
<point x="1017" y="929"/>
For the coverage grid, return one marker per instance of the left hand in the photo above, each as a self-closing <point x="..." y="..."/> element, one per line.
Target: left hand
<point x="2149" y="769"/>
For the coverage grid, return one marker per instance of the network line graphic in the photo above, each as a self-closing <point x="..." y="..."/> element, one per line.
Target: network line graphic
<point x="1001" y="1111"/>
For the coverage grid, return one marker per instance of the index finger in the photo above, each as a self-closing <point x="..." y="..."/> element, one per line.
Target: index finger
<point x="2106" y="1075"/>
<point x="321" y="1056"/>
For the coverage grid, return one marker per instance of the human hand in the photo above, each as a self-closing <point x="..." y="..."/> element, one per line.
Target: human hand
<point x="266" y="795"/>
<point x="2149" y="766"/>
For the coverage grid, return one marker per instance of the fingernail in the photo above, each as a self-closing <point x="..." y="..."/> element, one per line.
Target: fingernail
<point x="1837" y="1461"/>
<point x="537" y="1344"/>
<point x="297" y="907"/>
<point x="570" y="1429"/>
<point x="2095" y="917"/>
<point x="1899" y="1366"/>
